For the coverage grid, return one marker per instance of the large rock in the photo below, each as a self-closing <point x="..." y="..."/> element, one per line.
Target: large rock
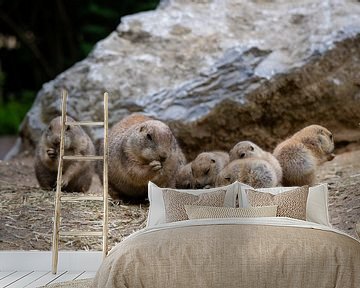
<point x="220" y="71"/>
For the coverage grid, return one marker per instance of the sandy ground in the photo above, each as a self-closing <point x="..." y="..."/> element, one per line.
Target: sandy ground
<point x="26" y="211"/>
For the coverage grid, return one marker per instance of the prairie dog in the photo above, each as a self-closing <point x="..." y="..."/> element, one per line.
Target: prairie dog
<point x="76" y="175"/>
<point x="257" y="173"/>
<point x="301" y="154"/>
<point x="206" y="166"/>
<point x="184" y="177"/>
<point x="141" y="150"/>
<point x="248" y="149"/>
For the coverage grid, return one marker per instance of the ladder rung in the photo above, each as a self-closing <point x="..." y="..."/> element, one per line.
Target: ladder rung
<point x="80" y="233"/>
<point x="83" y="158"/>
<point x="85" y="123"/>
<point x="80" y="198"/>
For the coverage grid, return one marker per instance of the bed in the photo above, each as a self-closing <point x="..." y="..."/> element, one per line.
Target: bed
<point x="232" y="251"/>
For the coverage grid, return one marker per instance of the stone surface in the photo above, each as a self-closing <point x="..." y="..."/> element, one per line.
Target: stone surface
<point x="219" y="72"/>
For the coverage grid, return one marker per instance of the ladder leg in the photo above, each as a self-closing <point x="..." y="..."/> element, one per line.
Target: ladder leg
<point x="55" y="240"/>
<point x="105" y="177"/>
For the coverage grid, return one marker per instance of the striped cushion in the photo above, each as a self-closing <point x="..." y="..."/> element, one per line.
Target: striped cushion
<point x="200" y="212"/>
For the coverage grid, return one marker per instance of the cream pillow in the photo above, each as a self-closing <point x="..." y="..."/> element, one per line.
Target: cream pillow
<point x="290" y="203"/>
<point x="201" y="212"/>
<point x="175" y="201"/>
<point x="316" y="206"/>
<point x="156" y="214"/>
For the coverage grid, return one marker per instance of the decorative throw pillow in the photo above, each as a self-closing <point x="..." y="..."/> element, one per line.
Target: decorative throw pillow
<point x="290" y="203"/>
<point x="317" y="202"/>
<point x="201" y="212"/>
<point x="175" y="201"/>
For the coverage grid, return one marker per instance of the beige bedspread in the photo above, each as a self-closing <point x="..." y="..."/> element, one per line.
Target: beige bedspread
<point x="233" y="254"/>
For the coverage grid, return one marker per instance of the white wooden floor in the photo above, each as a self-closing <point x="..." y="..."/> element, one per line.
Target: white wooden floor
<point x="32" y="279"/>
<point x="33" y="268"/>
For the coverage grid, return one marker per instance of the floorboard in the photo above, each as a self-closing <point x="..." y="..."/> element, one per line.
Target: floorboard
<point x="46" y="279"/>
<point x="13" y="277"/>
<point x="28" y="279"/>
<point x="87" y="274"/>
<point x="4" y="274"/>
<point x="68" y="276"/>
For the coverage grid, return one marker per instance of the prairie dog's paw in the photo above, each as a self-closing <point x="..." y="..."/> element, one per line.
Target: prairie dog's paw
<point x="331" y="156"/>
<point x="51" y="152"/>
<point x="64" y="181"/>
<point x="155" y="165"/>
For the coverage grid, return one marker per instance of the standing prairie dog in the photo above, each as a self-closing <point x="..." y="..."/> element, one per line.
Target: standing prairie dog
<point x="248" y="149"/>
<point x="141" y="150"/>
<point x="76" y="175"/>
<point x="206" y="166"/>
<point x="257" y="173"/>
<point x="184" y="177"/>
<point x="301" y="154"/>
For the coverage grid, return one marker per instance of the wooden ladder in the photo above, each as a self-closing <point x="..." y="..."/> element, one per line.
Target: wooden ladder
<point x="59" y="198"/>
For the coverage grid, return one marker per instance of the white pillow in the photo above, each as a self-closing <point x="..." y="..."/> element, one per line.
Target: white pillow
<point x="156" y="214"/>
<point x="316" y="206"/>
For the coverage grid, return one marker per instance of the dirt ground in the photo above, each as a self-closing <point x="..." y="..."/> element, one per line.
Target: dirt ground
<point x="26" y="211"/>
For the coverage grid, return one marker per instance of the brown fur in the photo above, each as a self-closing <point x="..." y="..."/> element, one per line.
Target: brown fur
<point x="184" y="178"/>
<point x="141" y="150"/>
<point x="257" y="173"/>
<point x="206" y="166"/>
<point x="301" y="154"/>
<point x="248" y="149"/>
<point x="76" y="175"/>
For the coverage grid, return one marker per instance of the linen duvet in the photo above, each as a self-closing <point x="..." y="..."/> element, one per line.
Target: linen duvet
<point x="234" y="252"/>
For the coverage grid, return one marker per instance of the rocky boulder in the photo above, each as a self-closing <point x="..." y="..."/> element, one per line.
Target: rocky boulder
<point x="220" y="71"/>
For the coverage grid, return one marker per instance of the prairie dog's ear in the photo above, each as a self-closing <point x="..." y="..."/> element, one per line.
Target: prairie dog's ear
<point x="321" y="132"/>
<point x="141" y="128"/>
<point x="212" y="160"/>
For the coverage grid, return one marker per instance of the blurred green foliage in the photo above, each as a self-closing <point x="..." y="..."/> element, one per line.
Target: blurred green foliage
<point x="40" y="39"/>
<point x="13" y="111"/>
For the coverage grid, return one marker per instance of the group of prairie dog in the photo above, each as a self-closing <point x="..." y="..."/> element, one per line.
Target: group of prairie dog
<point x="293" y="162"/>
<point x="142" y="149"/>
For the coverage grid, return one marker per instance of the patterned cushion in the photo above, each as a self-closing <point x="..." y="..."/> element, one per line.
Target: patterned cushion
<point x="200" y="212"/>
<point x="175" y="201"/>
<point x="290" y="204"/>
